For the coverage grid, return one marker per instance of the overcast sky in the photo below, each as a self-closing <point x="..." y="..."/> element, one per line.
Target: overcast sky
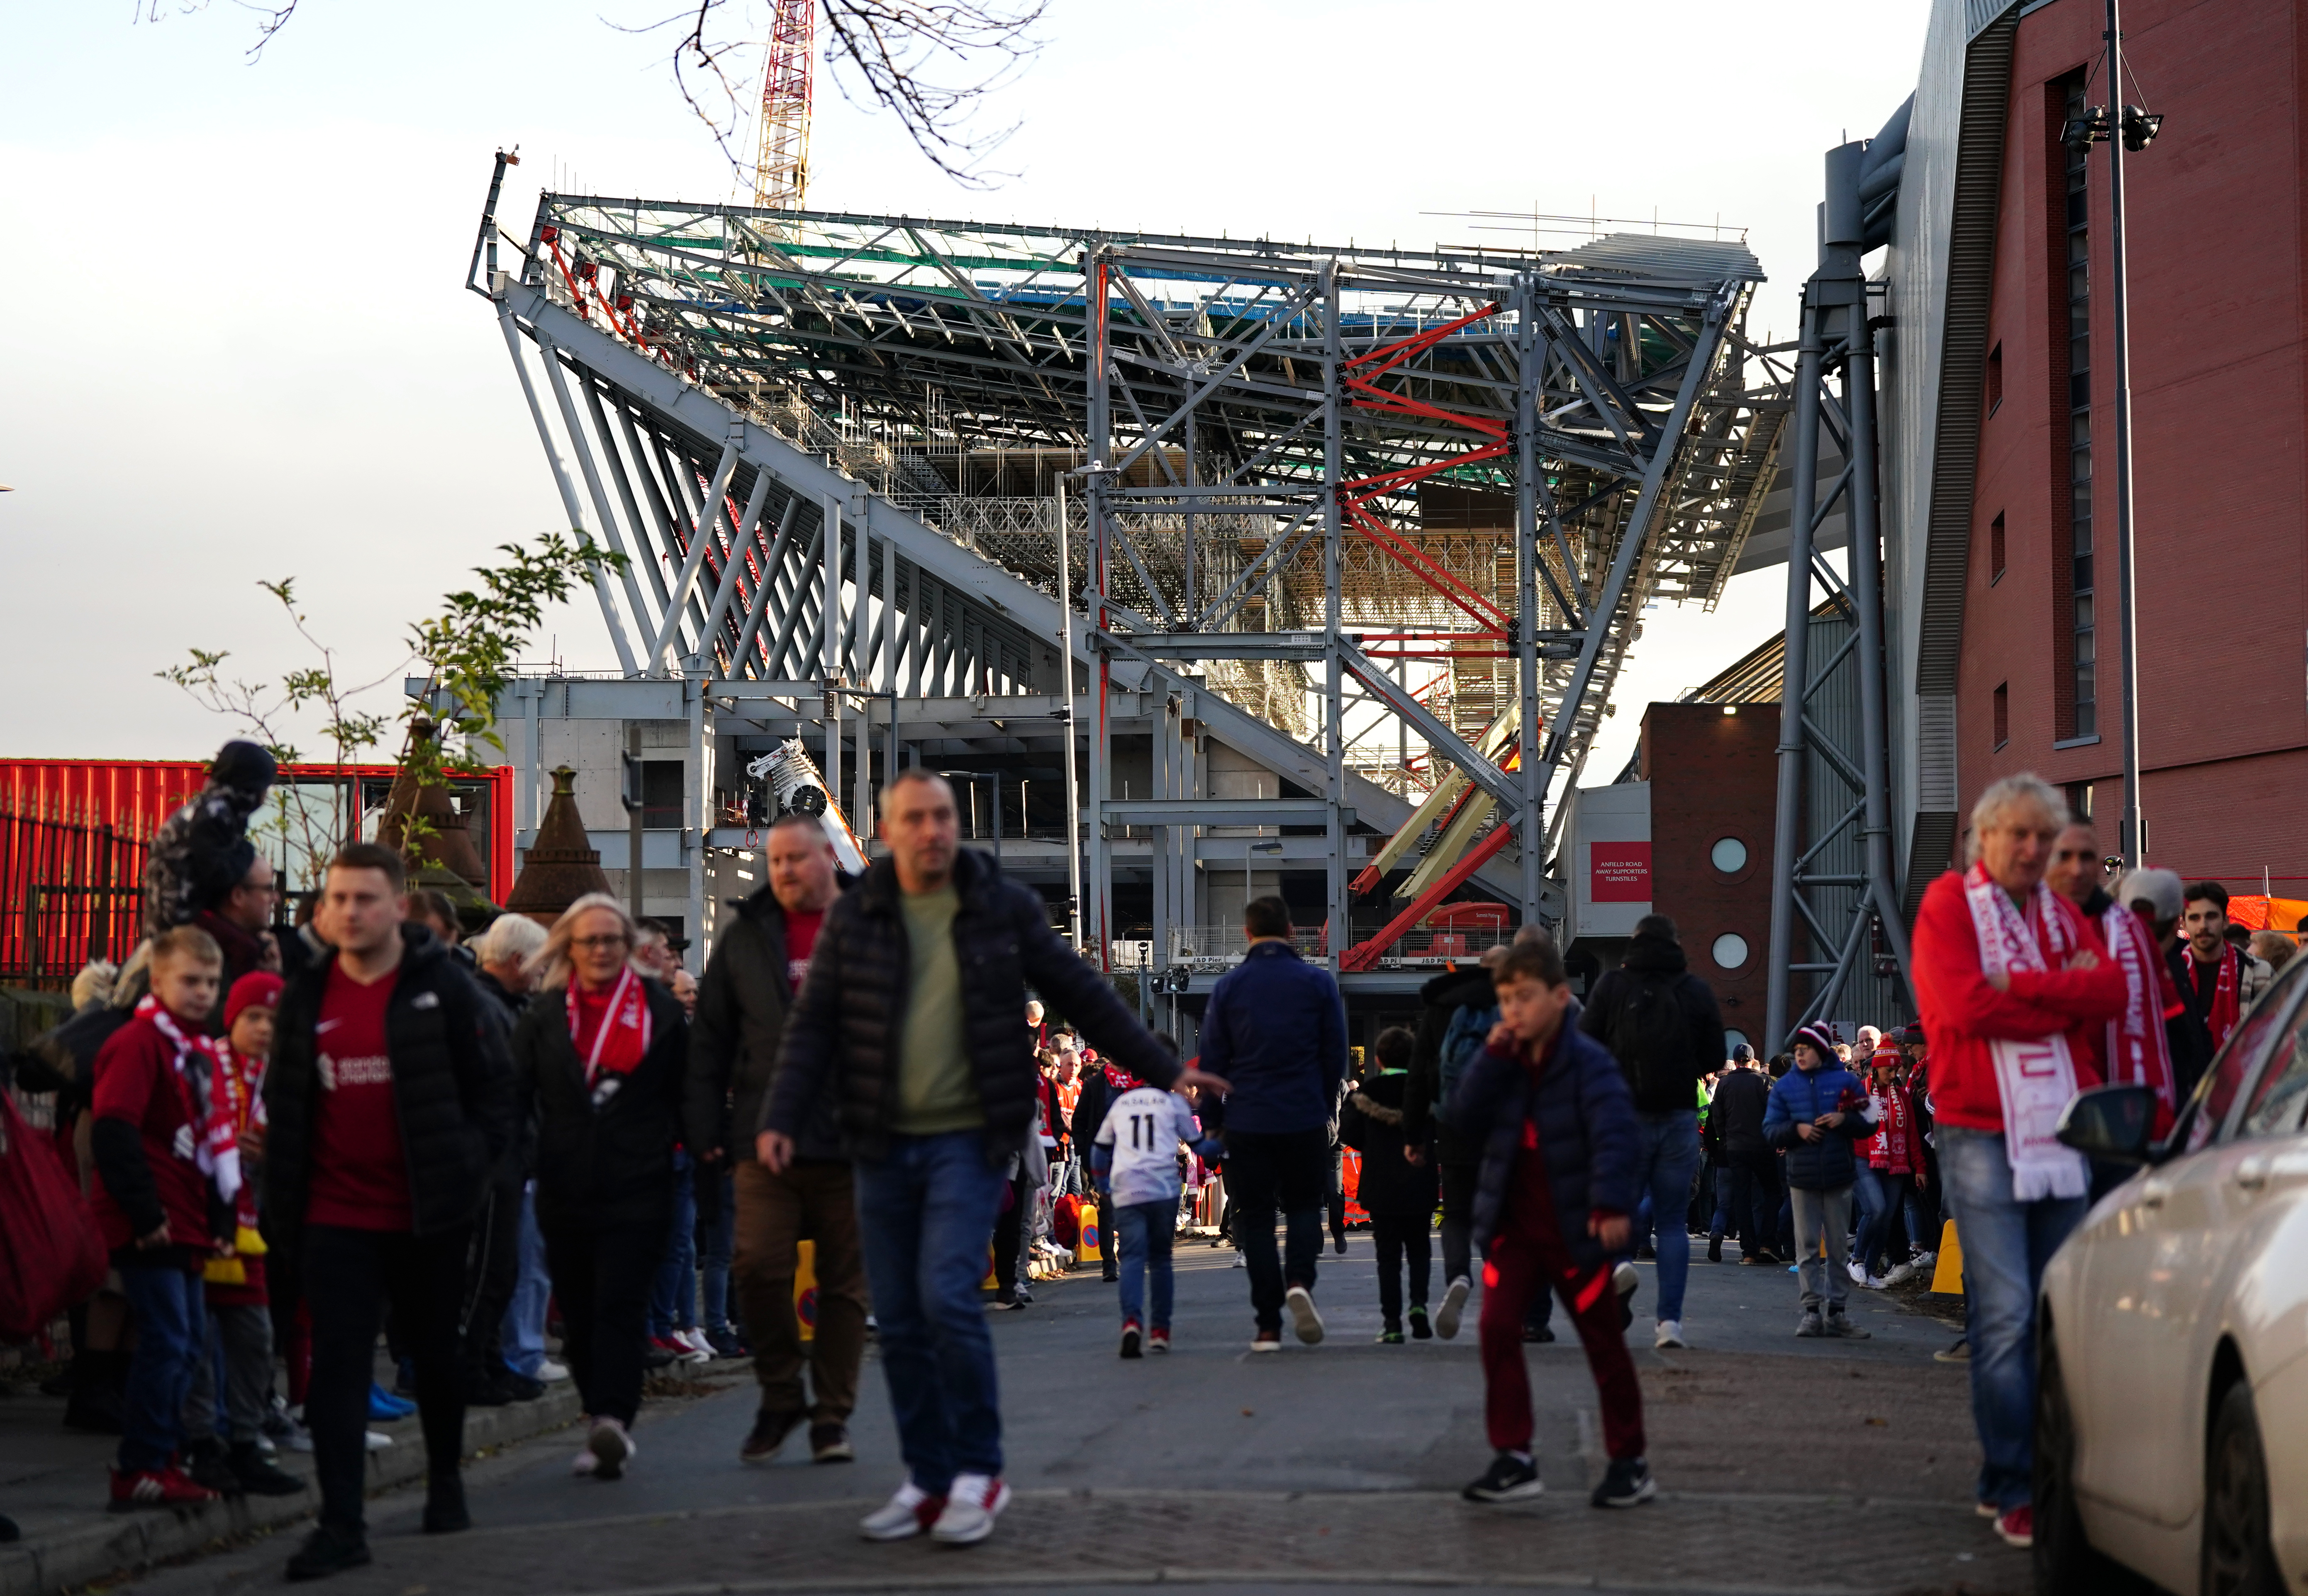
<point x="237" y="347"/>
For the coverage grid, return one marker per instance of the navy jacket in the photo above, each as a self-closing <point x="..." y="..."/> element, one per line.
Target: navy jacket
<point x="1276" y="1030"/>
<point x="1801" y="1096"/>
<point x="1587" y="1132"/>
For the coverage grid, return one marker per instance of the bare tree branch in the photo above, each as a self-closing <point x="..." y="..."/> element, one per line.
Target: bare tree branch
<point x="272" y="18"/>
<point x="901" y="51"/>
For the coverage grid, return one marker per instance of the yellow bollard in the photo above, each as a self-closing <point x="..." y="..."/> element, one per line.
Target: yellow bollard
<point x="1947" y="1275"/>
<point x="1088" y="1250"/>
<point x="805" y="1289"/>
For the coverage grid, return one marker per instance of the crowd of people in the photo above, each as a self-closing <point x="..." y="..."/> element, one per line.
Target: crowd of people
<point x="295" y="1144"/>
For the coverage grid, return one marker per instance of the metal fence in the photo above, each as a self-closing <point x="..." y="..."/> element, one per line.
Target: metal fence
<point x="1213" y="945"/>
<point x="70" y="891"/>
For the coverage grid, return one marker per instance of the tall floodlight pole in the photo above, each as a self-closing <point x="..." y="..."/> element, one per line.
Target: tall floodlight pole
<point x="2120" y="128"/>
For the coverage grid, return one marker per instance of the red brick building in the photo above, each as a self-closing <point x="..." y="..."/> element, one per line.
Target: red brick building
<point x="2000" y="484"/>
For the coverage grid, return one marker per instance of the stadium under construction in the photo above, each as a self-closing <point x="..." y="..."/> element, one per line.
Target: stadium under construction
<point x="1205" y="568"/>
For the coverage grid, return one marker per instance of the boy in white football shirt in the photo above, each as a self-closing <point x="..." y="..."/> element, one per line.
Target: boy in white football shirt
<point x="1136" y="1157"/>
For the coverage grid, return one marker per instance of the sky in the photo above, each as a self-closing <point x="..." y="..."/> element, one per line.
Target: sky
<point x="239" y="348"/>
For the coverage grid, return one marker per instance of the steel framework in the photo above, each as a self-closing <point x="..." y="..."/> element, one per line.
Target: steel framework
<point x="1834" y="888"/>
<point x="782" y="168"/>
<point x="854" y="458"/>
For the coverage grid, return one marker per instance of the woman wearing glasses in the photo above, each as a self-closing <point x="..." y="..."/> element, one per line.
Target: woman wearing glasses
<point x="600" y="1056"/>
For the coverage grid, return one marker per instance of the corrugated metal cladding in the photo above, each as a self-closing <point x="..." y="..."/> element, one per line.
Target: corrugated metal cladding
<point x="133" y="796"/>
<point x="1833" y="713"/>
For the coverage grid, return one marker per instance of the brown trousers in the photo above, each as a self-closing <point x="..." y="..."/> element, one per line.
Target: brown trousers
<point x="816" y="1200"/>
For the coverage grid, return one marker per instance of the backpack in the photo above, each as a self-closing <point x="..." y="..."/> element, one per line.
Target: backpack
<point x="55" y="1255"/>
<point x="1463" y="1042"/>
<point x="1651" y="1038"/>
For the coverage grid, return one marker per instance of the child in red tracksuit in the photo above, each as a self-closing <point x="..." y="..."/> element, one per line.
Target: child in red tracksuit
<point x="1559" y="1176"/>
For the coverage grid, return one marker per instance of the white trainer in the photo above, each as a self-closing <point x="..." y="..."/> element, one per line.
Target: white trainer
<point x="612" y="1449"/>
<point x="552" y="1373"/>
<point x="903" y="1516"/>
<point x="971" y="1506"/>
<point x="1454" y="1305"/>
<point x="1305" y="1320"/>
<point x="1670" y="1333"/>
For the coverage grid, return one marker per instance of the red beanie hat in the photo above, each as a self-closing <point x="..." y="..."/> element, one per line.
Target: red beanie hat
<point x="259" y="989"/>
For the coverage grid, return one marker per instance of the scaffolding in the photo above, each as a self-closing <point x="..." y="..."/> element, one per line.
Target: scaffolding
<point x="842" y="454"/>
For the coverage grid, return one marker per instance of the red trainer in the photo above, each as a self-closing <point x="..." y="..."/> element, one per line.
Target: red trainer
<point x="156" y="1488"/>
<point x="1157" y="1340"/>
<point x="2018" y="1527"/>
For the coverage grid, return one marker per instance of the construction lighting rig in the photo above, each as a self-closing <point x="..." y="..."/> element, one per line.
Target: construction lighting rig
<point x="844" y="452"/>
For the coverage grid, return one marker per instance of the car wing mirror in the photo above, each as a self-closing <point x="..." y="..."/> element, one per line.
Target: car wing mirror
<point x="2117" y="1123"/>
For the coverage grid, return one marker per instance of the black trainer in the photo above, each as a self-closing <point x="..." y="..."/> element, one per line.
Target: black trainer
<point x="1627" y="1482"/>
<point x="206" y="1464"/>
<point x="325" y="1552"/>
<point x="1509" y="1478"/>
<point x="259" y="1475"/>
<point x="768" y="1433"/>
<point x="1420" y="1330"/>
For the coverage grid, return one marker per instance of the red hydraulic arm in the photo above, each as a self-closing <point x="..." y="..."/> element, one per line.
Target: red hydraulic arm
<point x="1361" y="956"/>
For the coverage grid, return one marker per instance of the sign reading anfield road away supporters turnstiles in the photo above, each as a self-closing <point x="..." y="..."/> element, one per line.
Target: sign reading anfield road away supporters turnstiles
<point x="1620" y="872"/>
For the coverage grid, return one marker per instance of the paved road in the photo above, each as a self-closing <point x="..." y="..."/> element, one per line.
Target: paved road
<point x="1785" y="1465"/>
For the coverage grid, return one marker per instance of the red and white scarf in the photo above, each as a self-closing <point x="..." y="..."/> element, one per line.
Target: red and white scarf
<point x="2137" y="1052"/>
<point x="2227" y="998"/>
<point x="623" y="1040"/>
<point x="240" y="1090"/>
<point x="1891" y="1151"/>
<point x="2036" y="1078"/>
<point x="209" y="1139"/>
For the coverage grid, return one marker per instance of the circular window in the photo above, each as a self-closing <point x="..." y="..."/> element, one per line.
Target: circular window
<point x="1732" y="1040"/>
<point x="1730" y="950"/>
<point x="1729" y="854"/>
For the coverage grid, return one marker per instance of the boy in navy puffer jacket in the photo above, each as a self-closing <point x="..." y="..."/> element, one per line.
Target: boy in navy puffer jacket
<point x="1561" y="1152"/>
<point x="1818" y="1113"/>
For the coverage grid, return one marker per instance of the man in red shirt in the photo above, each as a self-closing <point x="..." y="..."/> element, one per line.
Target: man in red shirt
<point x="2217" y="980"/>
<point x="159" y="1162"/>
<point x="2017" y="989"/>
<point x="757" y="968"/>
<point x="390" y="1099"/>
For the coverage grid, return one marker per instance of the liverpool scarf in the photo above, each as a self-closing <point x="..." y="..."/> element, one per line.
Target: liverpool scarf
<point x="2036" y="1077"/>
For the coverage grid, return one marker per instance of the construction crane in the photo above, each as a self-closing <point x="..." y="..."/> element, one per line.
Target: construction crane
<point x="781" y="170"/>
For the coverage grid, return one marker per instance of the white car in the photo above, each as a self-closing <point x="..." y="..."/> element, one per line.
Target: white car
<point x="2172" y="1406"/>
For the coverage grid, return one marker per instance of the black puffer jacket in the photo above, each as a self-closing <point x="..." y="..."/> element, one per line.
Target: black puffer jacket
<point x="1735" y="1119"/>
<point x="742" y="1004"/>
<point x="614" y="1162"/>
<point x="1372" y="1124"/>
<point x="1442" y="996"/>
<point x="845" y="1028"/>
<point x="452" y="1085"/>
<point x="1656" y="964"/>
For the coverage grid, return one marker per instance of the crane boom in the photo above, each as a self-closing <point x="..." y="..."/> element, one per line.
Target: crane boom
<point x="781" y="170"/>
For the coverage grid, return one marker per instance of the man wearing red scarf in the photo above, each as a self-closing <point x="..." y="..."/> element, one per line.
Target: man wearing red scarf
<point x="2218" y="980"/>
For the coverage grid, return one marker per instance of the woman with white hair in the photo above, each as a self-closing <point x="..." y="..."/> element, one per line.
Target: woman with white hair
<point x="601" y="1055"/>
<point x="2016" y="987"/>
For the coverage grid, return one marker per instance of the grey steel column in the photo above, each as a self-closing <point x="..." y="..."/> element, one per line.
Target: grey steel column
<point x="861" y="663"/>
<point x="830" y="646"/>
<point x="1526" y="640"/>
<point x="1068" y="701"/>
<point x="1867" y="594"/>
<point x="1101" y="750"/>
<point x="1787" y="844"/>
<point x="1334" y="671"/>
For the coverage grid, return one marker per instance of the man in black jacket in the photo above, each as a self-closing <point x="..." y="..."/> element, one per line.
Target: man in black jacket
<point x="390" y="1096"/>
<point x="909" y="1017"/>
<point x="758" y="965"/>
<point x="1661" y="1022"/>
<point x="1749" y="1174"/>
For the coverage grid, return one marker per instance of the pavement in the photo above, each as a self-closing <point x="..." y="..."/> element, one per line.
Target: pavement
<point x="1783" y="1465"/>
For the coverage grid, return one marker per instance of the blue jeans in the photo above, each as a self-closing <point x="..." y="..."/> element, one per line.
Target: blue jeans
<point x="171" y="1335"/>
<point x="2006" y="1243"/>
<point x="1670" y="1154"/>
<point x="1144" y="1232"/>
<point x="926" y="1215"/>
<point x="713" y="1266"/>
<point x="673" y="1303"/>
<point x="1874" y="1204"/>
<point x="522" y="1339"/>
